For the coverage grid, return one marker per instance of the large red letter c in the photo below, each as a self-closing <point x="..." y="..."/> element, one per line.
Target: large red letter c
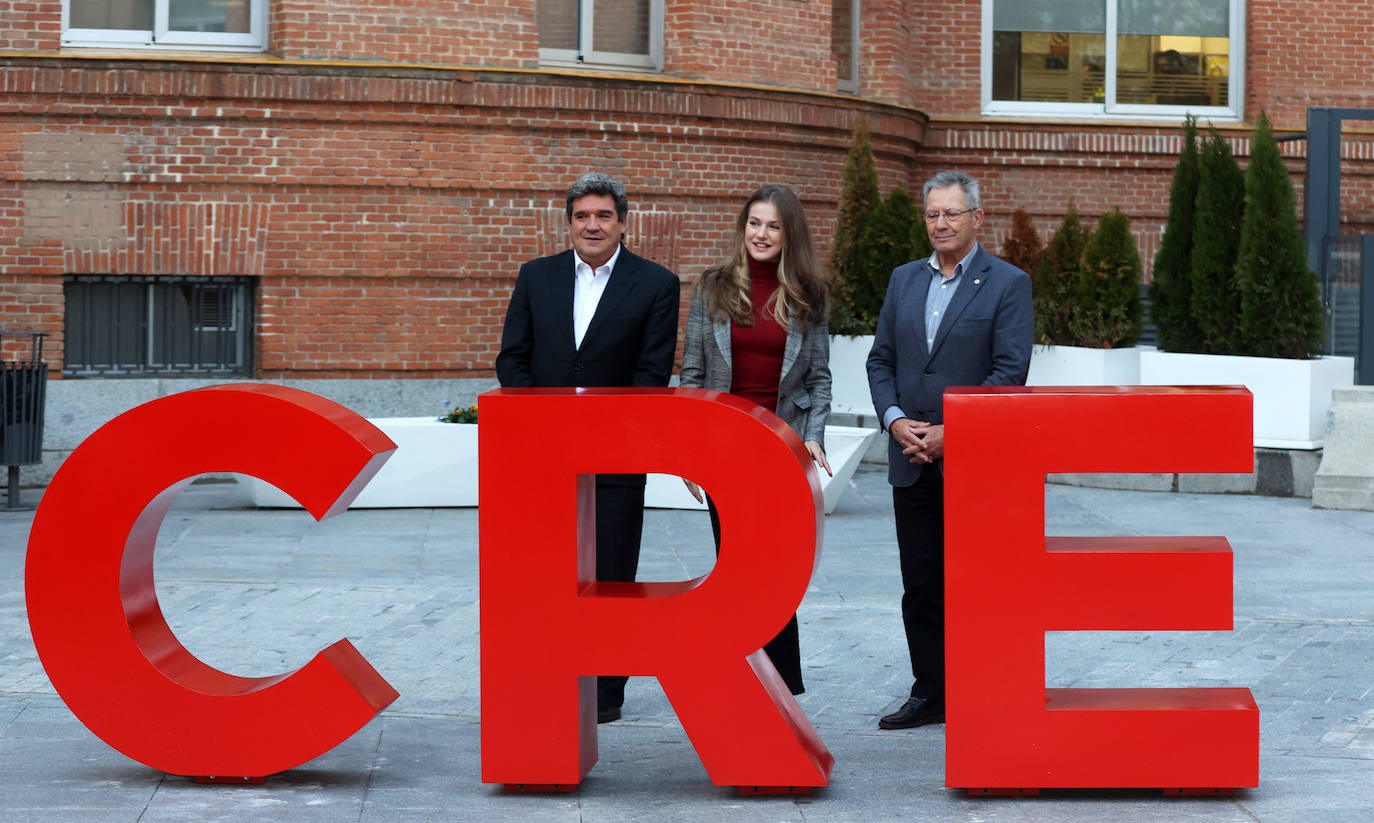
<point x="93" y="609"/>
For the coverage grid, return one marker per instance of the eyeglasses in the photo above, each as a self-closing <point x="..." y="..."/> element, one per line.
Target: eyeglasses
<point x="949" y="214"/>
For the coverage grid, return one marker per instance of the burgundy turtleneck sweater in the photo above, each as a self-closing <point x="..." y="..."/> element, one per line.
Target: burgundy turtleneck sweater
<point x="756" y="351"/>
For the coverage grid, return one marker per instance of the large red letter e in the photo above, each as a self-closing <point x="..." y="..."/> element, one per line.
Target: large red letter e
<point x="548" y="628"/>
<point x="1006" y="584"/>
<point x="93" y="608"/>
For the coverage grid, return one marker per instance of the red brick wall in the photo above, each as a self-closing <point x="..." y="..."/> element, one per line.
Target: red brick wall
<point x="1301" y="54"/>
<point x="31" y="25"/>
<point x="773" y="42"/>
<point x="384" y="212"/>
<point x="891" y="69"/>
<point x="385" y="168"/>
<point x="469" y="32"/>
<point x="945" y="42"/>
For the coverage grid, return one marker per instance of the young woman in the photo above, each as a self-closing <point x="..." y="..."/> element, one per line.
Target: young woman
<point x="757" y="329"/>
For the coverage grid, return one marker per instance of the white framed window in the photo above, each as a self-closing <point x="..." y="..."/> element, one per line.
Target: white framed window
<point x="1135" y="58"/>
<point x="844" y="43"/>
<point x="625" y="33"/>
<point x="232" y="25"/>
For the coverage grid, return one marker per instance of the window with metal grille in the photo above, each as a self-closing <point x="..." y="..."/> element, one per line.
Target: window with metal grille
<point x="133" y="326"/>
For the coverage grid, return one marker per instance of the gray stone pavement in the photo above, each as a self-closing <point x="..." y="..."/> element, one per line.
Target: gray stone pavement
<point x="258" y="592"/>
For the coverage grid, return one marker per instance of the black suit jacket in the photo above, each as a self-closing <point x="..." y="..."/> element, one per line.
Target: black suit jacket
<point x="984" y="340"/>
<point x="630" y="342"/>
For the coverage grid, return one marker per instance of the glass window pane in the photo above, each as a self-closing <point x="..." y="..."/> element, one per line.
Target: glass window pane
<point x="842" y="38"/>
<point x="621" y="26"/>
<point x="128" y="15"/>
<point x="1044" y="67"/>
<point x="557" y="21"/>
<point x="1086" y="16"/>
<point x="209" y="15"/>
<point x="1199" y="18"/>
<point x="1172" y="70"/>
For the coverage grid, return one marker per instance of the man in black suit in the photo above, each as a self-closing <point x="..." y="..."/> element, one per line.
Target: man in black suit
<point x="962" y="317"/>
<point x="596" y="315"/>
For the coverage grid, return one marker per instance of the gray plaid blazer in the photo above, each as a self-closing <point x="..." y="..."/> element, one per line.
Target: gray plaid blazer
<point x="803" y="386"/>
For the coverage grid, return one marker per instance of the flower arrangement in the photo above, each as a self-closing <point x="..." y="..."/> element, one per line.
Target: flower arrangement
<point x="459" y="415"/>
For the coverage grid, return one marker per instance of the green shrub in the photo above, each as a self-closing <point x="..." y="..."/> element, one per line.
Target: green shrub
<point x="873" y="236"/>
<point x="1280" y="298"/>
<point x="1106" y="288"/>
<point x="859" y="195"/>
<point x="1171" y="306"/>
<point x="1022" y="247"/>
<point x="1216" y="241"/>
<point x="1053" y="278"/>
<point x="884" y="244"/>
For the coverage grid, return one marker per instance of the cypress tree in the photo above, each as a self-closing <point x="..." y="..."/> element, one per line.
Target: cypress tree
<point x="1280" y="299"/>
<point x="1216" y="240"/>
<point x="1053" y="278"/>
<point x="883" y="245"/>
<point x="858" y="197"/>
<point x="1171" y="306"/>
<point x="1106" y="289"/>
<point x="1022" y="247"/>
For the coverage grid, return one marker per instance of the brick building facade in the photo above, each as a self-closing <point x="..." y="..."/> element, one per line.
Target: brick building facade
<point x="366" y="178"/>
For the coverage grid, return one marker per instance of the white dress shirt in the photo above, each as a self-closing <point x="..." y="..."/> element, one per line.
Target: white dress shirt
<point x="587" y="291"/>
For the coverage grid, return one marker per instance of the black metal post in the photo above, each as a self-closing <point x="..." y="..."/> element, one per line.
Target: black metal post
<point x="12" y="497"/>
<point x="1364" y="356"/>
<point x="1322" y="218"/>
<point x="1321" y="202"/>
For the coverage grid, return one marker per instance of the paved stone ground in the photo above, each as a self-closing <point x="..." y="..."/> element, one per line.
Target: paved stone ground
<point x="258" y="592"/>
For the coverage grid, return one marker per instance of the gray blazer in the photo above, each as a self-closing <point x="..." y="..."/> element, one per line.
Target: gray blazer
<point x="803" y="387"/>
<point x="984" y="340"/>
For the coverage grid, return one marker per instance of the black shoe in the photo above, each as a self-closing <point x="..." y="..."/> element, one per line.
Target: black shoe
<point x="916" y="711"/>
<point x="607" y="714"/>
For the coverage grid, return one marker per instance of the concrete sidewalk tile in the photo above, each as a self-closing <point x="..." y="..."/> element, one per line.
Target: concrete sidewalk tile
<point x="260" y="591"/>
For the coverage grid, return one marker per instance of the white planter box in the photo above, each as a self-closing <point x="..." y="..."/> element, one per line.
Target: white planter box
<point x="1079" y="366"/>
<point x="1292" y="397"/>
<point x="849" y="392"/>
<point x="435" y="466"/>
<point x="844" y="448"/>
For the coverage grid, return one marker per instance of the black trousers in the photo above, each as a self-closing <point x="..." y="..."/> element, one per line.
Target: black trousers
<point x="920" y="514"/>
<point x="785" y="649"/>
<point x="619" y="529"/>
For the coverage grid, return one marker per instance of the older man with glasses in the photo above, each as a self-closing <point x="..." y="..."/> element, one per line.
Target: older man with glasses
<point x="962" y="317"/>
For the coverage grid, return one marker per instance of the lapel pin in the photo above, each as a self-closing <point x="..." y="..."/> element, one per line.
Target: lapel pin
<point x="976" y="281"/>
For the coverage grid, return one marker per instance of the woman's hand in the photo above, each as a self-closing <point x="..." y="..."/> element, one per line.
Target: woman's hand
<point x="818" y="454"/>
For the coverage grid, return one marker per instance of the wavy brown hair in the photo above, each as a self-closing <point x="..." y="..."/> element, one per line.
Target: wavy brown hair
<point x="802" y="285"/>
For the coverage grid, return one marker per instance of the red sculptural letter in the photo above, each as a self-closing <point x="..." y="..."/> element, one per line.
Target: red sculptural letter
<point x="1007" y="584"/>
<point x="548" y="627"/>
<point x="93" y="609"/>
